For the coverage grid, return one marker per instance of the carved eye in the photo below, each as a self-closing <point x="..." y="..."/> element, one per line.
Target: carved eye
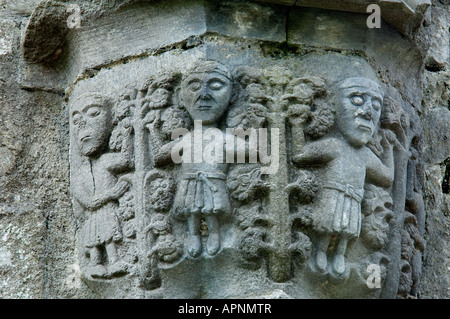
<point x="164" y="184"/>
<point x="357" y="100"/>
<point x="93" y="112"/>
<point x="194" y="86"/>
<point x="76" y="118"/>
<point x="216" y="85"/>
<point x="376" y="105"/>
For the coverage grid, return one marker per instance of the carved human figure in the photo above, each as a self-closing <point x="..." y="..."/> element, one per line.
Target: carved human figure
<point x="95" y="185"/>
<point x="202" y="193"/>
<point x="343" y="164"/>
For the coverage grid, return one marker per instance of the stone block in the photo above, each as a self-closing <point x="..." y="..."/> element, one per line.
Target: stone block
<point x="327" y="29"/>
<point x="438" y="56"/>
<point x="8" y="36"/>
<point x="24" y="7"/>
<point x="139" y="30"/>
<point x="404" y="15"/>
<point x="396" y="58"/>
<point x="436" y="135"/>
<point x="247" y="20"/>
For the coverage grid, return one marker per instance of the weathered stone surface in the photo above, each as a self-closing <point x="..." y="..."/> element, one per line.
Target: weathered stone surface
<point x="247" y="20"/>
<point x="24" y="7"/>
<point x="92" y="203"/>
<point x="332" y="30"/>
<point x="437" y="139"/>
<point x="8" y="37"/>
<point x="434" y="281"/>
<point x="404" y="15"/>
<point x="438" y="56"/>
<point x="434" y="278"/>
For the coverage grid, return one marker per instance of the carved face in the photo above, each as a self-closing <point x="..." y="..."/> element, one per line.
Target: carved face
<point x="91" y="124"/>
<point x="160" y="194"/>
<point x="206" y="96"/>
<point x="359" y="110"/>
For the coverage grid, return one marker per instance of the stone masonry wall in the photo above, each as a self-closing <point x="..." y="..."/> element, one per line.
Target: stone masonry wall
<point x="436" y="119"/>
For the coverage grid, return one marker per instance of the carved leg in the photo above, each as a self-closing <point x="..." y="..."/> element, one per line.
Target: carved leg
<point x="194" y="242"/>
<point x="116" y="266"/>
<point x="321" y="252"/>
<point x="339" y="259"/>
<point x="213" y="243"/>
<point x="97" y="269"/>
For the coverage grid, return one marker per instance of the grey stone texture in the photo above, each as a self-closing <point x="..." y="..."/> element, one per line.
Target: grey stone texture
<point x="436" y="109"/>
<point x="85" y="120"/>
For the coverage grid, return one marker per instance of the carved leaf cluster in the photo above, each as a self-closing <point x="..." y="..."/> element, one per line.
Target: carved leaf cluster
<point x="305" y="187"/>
<point x="375" y="225"/>
<point x="244" y="182"/>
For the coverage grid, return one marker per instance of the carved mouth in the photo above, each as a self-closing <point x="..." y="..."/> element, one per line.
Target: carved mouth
<point x="85" y="138"/>
<point x="365" y="127"/>
<point x="205" y="107"/>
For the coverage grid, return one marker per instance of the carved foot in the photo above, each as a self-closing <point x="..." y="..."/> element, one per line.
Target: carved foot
<point x="213" y="244"/>
<point x="194" y="245"/>
<point x="339" y="264"/>
<point x="321" y="261"/>
<point x="98" y="271"/>
<point x="118" y="268"/>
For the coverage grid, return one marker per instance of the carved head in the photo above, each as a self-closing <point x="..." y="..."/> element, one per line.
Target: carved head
<point x="159" y="188"/>
<point x="358" y="109"/>
<point x="206" y="92"/>
<point x="91" y="123"/>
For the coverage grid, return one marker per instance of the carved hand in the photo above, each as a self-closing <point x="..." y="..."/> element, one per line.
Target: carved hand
<point x="389" y="140"/>
<point x="298" y="114"/>
<point x="97" y="202"/>
<point x="116" y="192"/>
<point x="119" y="189"/>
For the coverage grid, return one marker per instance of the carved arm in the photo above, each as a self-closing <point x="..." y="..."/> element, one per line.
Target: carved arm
<point x="318" y="152"/>
<point x="123" y="160"/>
<point x="98" y="200"/>
<point x="381" y="172"/>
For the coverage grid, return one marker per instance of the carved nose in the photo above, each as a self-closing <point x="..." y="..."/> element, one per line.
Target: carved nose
<point x="367" y="111"/>
<point x="82" y="122"/>
<point x="204" y="94"/>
